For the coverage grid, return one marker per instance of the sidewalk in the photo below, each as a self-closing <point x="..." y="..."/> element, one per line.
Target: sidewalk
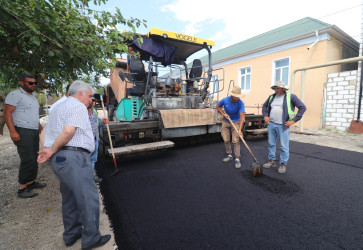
<point x="328" y="138"/>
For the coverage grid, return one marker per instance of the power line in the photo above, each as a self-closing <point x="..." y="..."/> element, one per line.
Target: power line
<point x="290" y="27"/>
<point x="359" y="5"/>
<point x="340" y="11"/>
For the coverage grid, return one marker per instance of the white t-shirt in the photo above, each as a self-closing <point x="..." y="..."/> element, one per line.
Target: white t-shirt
<point x="26" y="113"/>
<point x="277" y="109"/>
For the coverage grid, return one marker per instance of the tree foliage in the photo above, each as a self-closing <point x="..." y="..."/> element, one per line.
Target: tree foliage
<point x="59" y="40"/>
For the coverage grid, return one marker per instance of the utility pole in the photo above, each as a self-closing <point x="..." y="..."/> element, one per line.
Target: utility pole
<point x="356" y="126"/>
<point x="361" y="66"/>
<point x="359" y="75"/>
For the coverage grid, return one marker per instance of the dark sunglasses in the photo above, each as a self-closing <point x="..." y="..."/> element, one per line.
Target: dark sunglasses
<point x="31" y="83"/>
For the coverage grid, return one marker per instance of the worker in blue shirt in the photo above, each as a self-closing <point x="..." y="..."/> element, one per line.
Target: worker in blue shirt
<point x="234" y="108"/>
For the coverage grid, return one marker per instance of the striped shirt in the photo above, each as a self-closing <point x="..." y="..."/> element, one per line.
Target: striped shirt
<point x="74" y="113"/>
<point x="26" y="113"/>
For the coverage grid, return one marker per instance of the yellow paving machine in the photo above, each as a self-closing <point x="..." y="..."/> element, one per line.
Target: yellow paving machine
<point x="156" y="96"/>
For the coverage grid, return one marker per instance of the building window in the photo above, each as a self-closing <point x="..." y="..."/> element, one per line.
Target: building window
<point x="281" y="72"/>
<point x="245" y="79"/>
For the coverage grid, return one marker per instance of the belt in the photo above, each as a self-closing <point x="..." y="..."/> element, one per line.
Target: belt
<point x="75" y="149"/>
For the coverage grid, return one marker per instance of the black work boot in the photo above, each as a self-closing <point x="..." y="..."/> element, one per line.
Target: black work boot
<point x="37" y="185"/>
<point x="26" y="193"/>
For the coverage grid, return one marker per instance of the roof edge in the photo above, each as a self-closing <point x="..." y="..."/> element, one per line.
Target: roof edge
<point x="343" y="37"/>
<point x="331" y="30"/>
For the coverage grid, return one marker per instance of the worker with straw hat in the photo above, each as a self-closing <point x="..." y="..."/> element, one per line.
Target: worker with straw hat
<point x="234" y="108"/>
<point x="278" y="112"/>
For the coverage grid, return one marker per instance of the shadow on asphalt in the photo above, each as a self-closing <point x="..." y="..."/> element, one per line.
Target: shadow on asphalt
<point x="271" y="184"/>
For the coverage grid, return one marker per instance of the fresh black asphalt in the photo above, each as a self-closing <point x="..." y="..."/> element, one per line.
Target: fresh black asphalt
<point x="187" y="198"/>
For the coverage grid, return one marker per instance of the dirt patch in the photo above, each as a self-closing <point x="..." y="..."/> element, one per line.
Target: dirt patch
<point x="37" y="223"/>
<point x="34" y="223"/>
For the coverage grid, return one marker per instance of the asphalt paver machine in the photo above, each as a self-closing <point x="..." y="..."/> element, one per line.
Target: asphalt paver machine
<point x="160" y="98"/>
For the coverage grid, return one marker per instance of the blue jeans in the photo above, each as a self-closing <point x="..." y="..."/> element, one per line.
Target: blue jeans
<point x="94" y="155"/>
<point x="282" y="132"/>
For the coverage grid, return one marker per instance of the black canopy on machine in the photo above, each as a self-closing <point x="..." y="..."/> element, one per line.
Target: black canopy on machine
<point x="167" y="51"/>
<point x="161" y="52"/>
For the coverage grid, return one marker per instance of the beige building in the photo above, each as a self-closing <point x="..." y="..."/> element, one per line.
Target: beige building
<point x="256" y="63"/>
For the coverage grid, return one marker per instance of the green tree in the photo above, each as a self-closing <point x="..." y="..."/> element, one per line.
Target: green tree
<point x="59" y="40"/>
<point x="93" y="80"/>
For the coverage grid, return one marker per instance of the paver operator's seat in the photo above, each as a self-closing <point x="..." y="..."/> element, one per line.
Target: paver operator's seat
<point x="138" y="76"/>
<point x="194" y="74"/>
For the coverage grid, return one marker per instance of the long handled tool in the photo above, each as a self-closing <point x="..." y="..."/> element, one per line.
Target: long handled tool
<point x="256" y="166"/>
<point x="109" y="138"/>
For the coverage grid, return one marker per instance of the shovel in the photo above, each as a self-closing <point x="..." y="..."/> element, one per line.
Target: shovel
<point x="256" y="166"/>
<point x="109" y="138"/>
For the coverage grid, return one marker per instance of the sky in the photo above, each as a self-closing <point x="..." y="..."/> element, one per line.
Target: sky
<point x="231" y="21"/>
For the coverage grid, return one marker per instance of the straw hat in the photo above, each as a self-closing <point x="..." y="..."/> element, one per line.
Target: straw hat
<point x="236" y="92"/>
<point x="279" y="84"/>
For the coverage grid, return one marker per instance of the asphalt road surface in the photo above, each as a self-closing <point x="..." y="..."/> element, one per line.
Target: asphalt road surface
<point x="187" y="198"/>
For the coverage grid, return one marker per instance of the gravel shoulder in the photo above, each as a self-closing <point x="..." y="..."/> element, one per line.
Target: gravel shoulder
<point x="329" y="138"/>
<point x="37" y="223"/>
<point x="34" y="223"/>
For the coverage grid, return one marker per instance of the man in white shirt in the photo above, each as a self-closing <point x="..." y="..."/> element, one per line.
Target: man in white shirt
<point x="67" y="140"/>
<point x="60" y="100"/>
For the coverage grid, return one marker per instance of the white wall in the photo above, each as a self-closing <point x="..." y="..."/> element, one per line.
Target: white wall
<point x="340" y="101"/>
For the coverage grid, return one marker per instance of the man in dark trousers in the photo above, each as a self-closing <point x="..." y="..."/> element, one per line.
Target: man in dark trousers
<point x="21" y="113"/>
<point x="278" y="112"/>
<point x="68" y="141"/>
<point x="2" y="120"/>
